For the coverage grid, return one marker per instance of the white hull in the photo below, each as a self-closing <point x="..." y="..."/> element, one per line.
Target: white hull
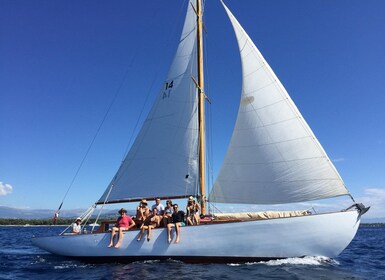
<point x="314" y="235"/>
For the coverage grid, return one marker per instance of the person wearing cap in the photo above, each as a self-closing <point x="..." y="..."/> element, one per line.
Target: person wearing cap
<point x="124" y="222"/>
<point x="142" y="212"/>
<point x="76" y="227"/>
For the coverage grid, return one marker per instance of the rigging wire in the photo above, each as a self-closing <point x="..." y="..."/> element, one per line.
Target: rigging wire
<point x="118" y="91"/>
<point x="84" y="217"/>
<point x="150" y="90"/>
<point x="93" y="140"/>
<point x="194" y="147"/>
<point x="209" y="138"/>
<point x="106" y="115"/>
<point x="102" y="207"/>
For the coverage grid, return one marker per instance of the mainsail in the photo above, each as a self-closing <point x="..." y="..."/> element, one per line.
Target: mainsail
<point x="163" y="159"/>
<point x="273" y="156"/>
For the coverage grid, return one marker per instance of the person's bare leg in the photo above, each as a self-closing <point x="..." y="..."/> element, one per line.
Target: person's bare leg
<point x="141" y="233"/>
<point x="197" y="219"/>
<point x="149" y="233"/>
<point x="169" y="227"/>
<point x="177" y="230"/>
<point x="113" y="232"/>
<point x="120" y="238"/>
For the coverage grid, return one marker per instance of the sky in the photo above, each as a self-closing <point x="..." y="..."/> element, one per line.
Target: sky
<point x="63" y="63"/>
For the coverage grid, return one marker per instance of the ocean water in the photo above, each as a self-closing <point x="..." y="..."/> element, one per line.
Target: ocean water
<point x="19" y="259"/>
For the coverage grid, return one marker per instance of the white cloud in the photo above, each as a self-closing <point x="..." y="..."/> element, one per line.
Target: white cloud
<point x="5" y="189"/>
<point x="374" y="197"/>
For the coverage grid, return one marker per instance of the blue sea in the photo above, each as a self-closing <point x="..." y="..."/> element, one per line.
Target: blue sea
<point x="19" y="259"/>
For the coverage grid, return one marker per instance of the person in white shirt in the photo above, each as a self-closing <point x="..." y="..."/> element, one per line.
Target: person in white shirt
<point x="159" y="206"/>
<point x="76" y="227"/>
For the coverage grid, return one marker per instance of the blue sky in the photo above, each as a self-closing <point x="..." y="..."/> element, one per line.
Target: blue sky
<point x="62" y="63"/>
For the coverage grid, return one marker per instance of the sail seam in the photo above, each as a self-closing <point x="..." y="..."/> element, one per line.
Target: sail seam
<point x="267" y="125"/>
<point x="273" y="162"/>
<point x="245" y="76"/>
<point x="254" y="108"/>
<point x="286" y="181"/>
<point x="273" y="143"/>
<point x="259" y="89"/>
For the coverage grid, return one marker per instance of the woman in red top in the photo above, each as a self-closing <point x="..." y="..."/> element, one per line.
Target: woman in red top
<point x="124" y="222"/>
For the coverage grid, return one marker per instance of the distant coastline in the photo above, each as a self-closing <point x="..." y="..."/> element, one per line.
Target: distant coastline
<point x="39" y="222"/>
<point x="372" y="225"/>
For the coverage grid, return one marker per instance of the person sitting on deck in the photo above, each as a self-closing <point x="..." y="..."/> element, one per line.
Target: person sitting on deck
<point x="192" y="210"/>
<point x="76" y="227"/>
<point x="167" y="213"/>
<point x="142" y="211"/>
<point x="189" y="213"/>
<point x="152" y="221"/>
<point x="177" y="222"/>
<point x="197" y="209"/>
<point x="124" y="222"/>
<point x="159" y="206"/>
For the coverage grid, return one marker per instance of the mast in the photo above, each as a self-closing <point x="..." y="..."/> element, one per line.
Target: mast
<point x="201" y="114"/>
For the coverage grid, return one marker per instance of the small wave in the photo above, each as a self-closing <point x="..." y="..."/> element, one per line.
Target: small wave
<point x="71" y="266"/>
<point x="147" y="262"/>
<point x="38" y="260"/>
<point x="151" y="261"/>
<point x="174" y="261"/>
<point x="318" y="260"/>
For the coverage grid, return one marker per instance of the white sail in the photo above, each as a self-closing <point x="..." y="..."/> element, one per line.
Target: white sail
<point x="273" y="156"/>
<point x="163" y="159"/>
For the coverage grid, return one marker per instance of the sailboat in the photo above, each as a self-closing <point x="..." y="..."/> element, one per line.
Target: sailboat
<point x="273" y="158"/>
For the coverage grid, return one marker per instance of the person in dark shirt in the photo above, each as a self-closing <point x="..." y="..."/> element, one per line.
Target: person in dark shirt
<point x="177" y="222"/>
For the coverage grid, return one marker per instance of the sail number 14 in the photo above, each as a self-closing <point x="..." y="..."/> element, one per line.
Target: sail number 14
<point x="167" y="89"/>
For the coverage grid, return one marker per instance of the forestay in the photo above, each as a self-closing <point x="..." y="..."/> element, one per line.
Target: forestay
<point x="273" y="156"/>
<point x="163" y="159"/>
